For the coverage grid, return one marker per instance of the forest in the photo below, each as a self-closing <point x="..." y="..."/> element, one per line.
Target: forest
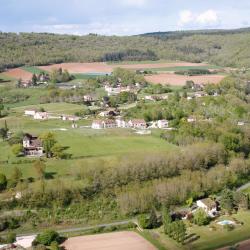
<point x="223" y="48"/>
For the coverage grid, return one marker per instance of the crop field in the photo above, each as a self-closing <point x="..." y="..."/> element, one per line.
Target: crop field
<point x="180" y="80"/>
<point x="110" y="241"/>
<point x="19" y="73"/>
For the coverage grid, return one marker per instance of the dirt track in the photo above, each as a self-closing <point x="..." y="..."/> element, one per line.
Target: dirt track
<point x="180" y="80"/>
<point x="109" y="241"/>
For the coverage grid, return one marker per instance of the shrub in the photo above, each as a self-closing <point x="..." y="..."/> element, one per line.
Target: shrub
<point x="200" y="218"/>
<point x="10" y="238"/>
<point x="3" y="182"/>
<point x="46" y="237"/>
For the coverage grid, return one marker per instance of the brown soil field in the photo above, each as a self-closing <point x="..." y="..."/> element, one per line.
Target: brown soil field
<point x="105" y="68"/>
<point x="180" y="80"/>
<point x="19" y="73"/>
<point x="80" y="67"/>
<point x="109" y="241"/>
<point x="244" y="245"/>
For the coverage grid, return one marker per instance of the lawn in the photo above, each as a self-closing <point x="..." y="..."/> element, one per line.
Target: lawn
<point x="210" y="239"/>
<point x="60" y="108"/>
<point x="86" y="145"/>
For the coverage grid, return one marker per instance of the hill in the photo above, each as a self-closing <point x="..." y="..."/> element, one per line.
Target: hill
<point x="220" y="47"/>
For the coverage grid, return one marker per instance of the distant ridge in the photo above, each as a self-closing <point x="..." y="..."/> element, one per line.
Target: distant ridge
<point x="183" y="33"/>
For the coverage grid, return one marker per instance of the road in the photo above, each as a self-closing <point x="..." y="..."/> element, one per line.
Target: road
<point x="77" y="229"/>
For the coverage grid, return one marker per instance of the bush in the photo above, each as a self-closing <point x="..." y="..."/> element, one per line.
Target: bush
<point x="3" y="182"/>
<point x="46" y="238"/>
<point x="200" y="218"/>
<point x="10" y="238"/>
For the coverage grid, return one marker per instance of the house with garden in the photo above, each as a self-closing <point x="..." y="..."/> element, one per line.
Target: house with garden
<point x="209" y="206"/>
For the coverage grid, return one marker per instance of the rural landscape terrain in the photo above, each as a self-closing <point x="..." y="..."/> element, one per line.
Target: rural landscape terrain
<point x="125" y="142"/>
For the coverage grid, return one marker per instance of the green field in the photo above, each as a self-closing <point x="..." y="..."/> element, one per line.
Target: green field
<point x="183" y="68"/>
<point x="33" y="69"/>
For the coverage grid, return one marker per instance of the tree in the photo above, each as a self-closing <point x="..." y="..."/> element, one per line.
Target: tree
<point x="178" y="231"/>
<point x="16" y="175"/>
<point x="227" y="200"/>
<point x="200" y="217"/>
<point x="58" y="152"/>
<point x="34" y="80"/>
<point x="48" y="141"/>
<point x="4" y="131"/>
<point x="17" y="149"/>
<point x="1" y="109"/>
<point x="40" y="169"/>
<point x="3" y="182"/>
<point x="153" y="220"/>
<point x="166" y="220"/>
<point x="143" y="221"/>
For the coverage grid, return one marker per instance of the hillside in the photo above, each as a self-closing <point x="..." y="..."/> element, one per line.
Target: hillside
<point x="225" y="48"/>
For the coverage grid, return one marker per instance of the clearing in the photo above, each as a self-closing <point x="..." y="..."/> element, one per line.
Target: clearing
<point x="110" y="241"/>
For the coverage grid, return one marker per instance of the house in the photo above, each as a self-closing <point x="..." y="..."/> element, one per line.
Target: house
<point x="137" y="123"/>
<point x="30" y="112"/>
<point x="191" y="119"/>
<point x="70" y="118"/>
<point x="41" y="116"/>
<point x="116" y="90"/>
<point x="120" y="123"/>
<point x="97" y="124"/>
<point x="101" y="124"/>
<point x="209" y="206"/>
<point x="241" y="123"/>
<point x="109" y="113"/>
<point x="32" y="146"/>
<point x="88" y="98"/>
<point x="162" y="124"/>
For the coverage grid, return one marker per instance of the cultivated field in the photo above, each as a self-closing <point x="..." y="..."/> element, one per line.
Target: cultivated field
<point x="108" y="68"/>
<point x="18" y="73"/>
<point x="109" y="241"/>
<point x="179" y="80"/>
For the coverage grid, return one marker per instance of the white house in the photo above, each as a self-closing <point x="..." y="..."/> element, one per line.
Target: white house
<point x="41" y="116"/>
<point x="116" y="90"/>
<point x="100" y="124"/>
<point x="137" y="123"/>
<point x="191" y="119"/>
<point x="88" y="98"/>
<point x="30" y="112"/>
<point x="97" y="124"/>
<point x="70" y="118"/>
<point x="120" y="123"/>
<point x="209" y="206"/>
<point x="162" y="124"/>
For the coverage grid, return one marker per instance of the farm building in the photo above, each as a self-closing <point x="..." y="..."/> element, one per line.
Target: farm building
<point x="32" y="146"/>
<point x="121" y="123"/>
<point x="100" y="124"/>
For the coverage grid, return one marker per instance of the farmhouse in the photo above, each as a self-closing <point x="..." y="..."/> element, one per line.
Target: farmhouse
<point x="109" y="113"/>
<point x="191" y="119"/>
<point x="116" y="90"/>
<point x="30" y="112"/>
<point x="32" y="146"/>
<point x="209" y="206"/>
<point x="137" y="123"/>
<point x="41" y="116"/>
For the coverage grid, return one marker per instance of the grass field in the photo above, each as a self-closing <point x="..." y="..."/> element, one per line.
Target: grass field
<point x="183" y="68"/>
<point x="33" y="70"/>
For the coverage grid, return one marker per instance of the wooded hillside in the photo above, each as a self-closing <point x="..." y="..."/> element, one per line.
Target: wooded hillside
<point x="223" y="48"/>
